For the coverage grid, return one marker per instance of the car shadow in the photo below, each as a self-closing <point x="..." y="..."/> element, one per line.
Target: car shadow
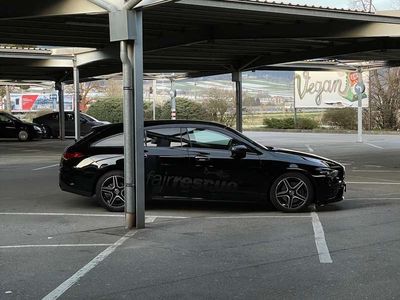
<point x="207" y="206"/>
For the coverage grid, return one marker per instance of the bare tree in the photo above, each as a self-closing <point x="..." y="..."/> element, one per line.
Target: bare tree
<point x="385" y="97"/>
<point x="363" y="5"/>
<point x="220" y="106"/>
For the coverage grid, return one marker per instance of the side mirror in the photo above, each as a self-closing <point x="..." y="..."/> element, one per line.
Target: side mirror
<point x="239" y="151"/>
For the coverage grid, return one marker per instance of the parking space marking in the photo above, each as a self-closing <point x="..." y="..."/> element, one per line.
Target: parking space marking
<point x="375" y="171"/>
<point x="309" y="148"/>
<point x="46" y="167"/>
<point x="255" y="217"/>
<point x="63" y="287"/>
<point x="320" y="242"/>
<point x="149" y="218"/>
<point x="375" y="146"/>
<point x="373" y="182"/>
<point x="372" y="198"/>
<point x="54" y="246"/>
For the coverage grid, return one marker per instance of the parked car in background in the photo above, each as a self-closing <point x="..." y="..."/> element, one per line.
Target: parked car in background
<point x="12" y="127"/>
<point x="50" y="123"/>
<point x="200" y="160"/>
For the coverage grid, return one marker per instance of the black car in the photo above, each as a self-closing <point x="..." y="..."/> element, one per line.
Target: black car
<point x="50" y="123"/>
<point x="12" y="127"/>
<point x="200" y="160"/>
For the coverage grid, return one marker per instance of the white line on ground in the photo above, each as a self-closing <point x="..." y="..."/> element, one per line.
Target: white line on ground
<point x="54" y="246"/>
<point x="376" y="171"/>
<point x="377" y="198"/>
<point x="46" y="167"/>
<point x="150" y="219"/>
<point x="309" y="148"/>
<point x="84" y="215"/>
<point x="320" y="242"/>
<point x="63" y="287"/>
<point x="255" y="217"/>
<point x="376" y="182"/>
<point x="375" y="146"/>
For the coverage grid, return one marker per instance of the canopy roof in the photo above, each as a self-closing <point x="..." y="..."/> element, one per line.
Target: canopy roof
<point x="199" y="37"/>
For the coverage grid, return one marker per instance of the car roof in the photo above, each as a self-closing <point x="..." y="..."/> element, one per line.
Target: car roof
<point x="166" y="122"/>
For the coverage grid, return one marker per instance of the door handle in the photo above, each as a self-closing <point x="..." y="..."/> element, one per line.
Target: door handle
<point x="201" y="158"/>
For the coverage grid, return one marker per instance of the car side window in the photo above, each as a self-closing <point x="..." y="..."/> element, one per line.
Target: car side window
<point x="208" y="138"/>
<point x="116" y="140"/>
<point x="164" y="137"/>
<point x="5" y="119"/>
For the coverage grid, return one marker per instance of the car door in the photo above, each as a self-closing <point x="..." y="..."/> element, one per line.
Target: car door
<point x="166" y="162"/>
<point x="7" y="127"/>
<point x="217" y="175"/>
<point x="69" y="124"/>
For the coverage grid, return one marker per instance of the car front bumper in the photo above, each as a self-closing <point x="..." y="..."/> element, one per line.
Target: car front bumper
<point x="329" y="190"/>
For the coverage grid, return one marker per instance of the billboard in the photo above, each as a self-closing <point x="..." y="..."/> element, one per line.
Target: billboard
<point x="328" y="89"/>
<point x="35" y="102"/>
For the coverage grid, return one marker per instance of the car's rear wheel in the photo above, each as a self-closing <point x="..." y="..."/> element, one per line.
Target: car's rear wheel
<point x="110" y="191"/>
<point x="292" y="192"/>
<point x="23" y="135"/>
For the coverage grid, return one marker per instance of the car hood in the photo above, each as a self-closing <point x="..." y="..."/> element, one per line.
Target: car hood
<point x="307" y="156"/>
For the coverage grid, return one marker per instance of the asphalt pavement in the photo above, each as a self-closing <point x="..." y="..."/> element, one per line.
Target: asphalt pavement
<point x="62" y="245"/>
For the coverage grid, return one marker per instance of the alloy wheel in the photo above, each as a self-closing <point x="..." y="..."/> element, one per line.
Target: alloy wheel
<point x="291" y="192"/>
<point x="112" y="191"/>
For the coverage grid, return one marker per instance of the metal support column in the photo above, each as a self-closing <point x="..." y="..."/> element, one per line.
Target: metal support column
<point x="61" y="115"/>
<point x="129" y="146"/>
<point x="172" y="95"/>
<point x="8" y="106"/>
<point x="237" y="78"/>
<point x="359" y="88"/>
<point x="154" y="98"/>
<point x="77" y="117"/>
<point x="139" y="122"/>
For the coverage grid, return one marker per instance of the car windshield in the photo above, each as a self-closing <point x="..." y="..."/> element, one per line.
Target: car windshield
<point x="89" y="117"/>
<point x="254" y="143"/>
<point x="10" y="116"/>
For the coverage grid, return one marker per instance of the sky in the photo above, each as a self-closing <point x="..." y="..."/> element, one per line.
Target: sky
<point x="379" y="4"/>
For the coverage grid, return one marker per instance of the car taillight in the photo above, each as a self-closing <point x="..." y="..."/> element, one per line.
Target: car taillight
<point x="69" y="155"/>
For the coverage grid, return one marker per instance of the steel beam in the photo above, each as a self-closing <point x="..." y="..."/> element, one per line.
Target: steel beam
<point x="61" y="115"/>
<point x="237" y="78"/>
<point x="139" y="122"/>
<point x="129" y="146"/>
<point x="77" y="115"/>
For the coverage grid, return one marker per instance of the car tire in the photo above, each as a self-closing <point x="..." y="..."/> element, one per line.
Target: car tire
<point x="23" y="135"/>
<point x="49" y="133"/>
<point x="110" y="191"/>
<point x="292" y="192"/>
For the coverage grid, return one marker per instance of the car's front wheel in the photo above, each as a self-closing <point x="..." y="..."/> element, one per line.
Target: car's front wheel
<point x="110" y="191"/>
<point x="292" y="192"/>
<point x="23" y="135"/>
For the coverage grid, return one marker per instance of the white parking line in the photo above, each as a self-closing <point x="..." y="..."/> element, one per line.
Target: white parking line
<point x="375" y="146"/>
<point x="309" y="148"/>
<point x="376" y="171"/>
<point x="320" y="242"/>
<point x="46" y="167"/>
<point x="373" y="182"/>
<point x="63" y="287"/>
<point x="377" y="198"/>
<point x="255" y="217"/>
<point x="148" y="217"/>
<point x="54" y="246"/>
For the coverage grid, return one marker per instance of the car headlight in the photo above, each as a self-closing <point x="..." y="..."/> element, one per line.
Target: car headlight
<point x="37" y="128"/>
<point x="329" y="173"/>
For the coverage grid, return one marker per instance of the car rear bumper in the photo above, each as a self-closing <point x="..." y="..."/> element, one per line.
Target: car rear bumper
<point x="74" y="181"/>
